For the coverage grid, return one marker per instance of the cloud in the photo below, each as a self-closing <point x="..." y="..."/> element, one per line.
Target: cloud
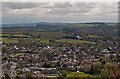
<point x="60" y="11"/>
<point x="18" y="5"/>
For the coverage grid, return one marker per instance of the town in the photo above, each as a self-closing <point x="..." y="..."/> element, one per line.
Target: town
<point x="28" y="53"/>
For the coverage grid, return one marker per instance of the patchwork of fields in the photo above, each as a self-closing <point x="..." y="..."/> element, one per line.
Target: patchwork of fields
<point x="44" y="38"/>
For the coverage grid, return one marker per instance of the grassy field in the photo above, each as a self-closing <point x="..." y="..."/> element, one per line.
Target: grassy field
<point x="74" y="41"/>
<point x="15" y="40"/>
<point x="74" y="75"/>
<point x="4" y="35"/>
<point x="17" y="54"/>
<point x="43" y="40"/>
<point x="52" y="75"/>
<point x="20" y="35"/>
<point x="94" y="36"/>
<point x="82" y="25"/>
<point x="9" y="40"/>
<point x="77" y="74"/>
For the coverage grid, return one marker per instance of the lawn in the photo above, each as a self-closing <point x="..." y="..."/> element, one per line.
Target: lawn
<point x="46" y="41"/>
<point x="4" y="35"/>
<point x="43" y="40"/>
<point x="77" y="74"/>
<point x="94" y="36"/>
<point x="20" y="35"/>
<point x="17" y="54"/>
<point x="74" y="41"/>
<point x="74" y="75"/>
<point x="52" y="75"/>
<point x="82" y="25"/>
<point x="9" y="40"/>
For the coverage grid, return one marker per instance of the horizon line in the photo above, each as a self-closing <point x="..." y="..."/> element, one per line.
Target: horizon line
<point x="64" y="22"/>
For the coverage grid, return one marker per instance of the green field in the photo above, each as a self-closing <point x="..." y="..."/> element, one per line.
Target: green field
<point x="52" y="75"/>
<point x="74" y="41"/>
<point x="78" y="74"/>
<point x="10" y="40"/>
<point x="4" y="35"/>
<point x="43" y="40"/>
<point x="74" y="75"/>
<point x="17" y="54"/>
<point x="15" y="40"/>
<point x="20" y="35"/>
<point x="82" y="25"/>
<point x="94" y="36"/>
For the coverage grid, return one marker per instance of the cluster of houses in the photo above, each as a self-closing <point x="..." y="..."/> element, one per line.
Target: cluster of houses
<point x="41" y="60"/>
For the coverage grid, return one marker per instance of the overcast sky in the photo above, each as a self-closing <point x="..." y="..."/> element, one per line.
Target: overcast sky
<point x="22" y="12"/>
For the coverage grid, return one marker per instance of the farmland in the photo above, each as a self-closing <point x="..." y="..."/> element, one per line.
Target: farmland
<point x="10" y="40"/>
<point x="74" y="41"/>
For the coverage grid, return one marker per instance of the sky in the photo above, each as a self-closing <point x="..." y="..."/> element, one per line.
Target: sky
<point x="78" y="12"/>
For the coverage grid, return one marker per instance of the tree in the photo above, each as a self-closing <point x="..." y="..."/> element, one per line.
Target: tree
<point x="29" y="76"/>
<point x="104" y="73"/>
<point x="103" y="60"/>
<point x="111" y="74"/>
<point x="64" y="73"/>
<point x="108" y="71"/>
<point x="110" y="66"/>
<point x="96" y="67"/>
<point x="117" y="73"/>
<point x="6" y="76"/>
<point x="46" y="65"/>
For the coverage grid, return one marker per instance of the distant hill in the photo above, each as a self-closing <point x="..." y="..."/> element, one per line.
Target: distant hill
<point x="99" y="28"/>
